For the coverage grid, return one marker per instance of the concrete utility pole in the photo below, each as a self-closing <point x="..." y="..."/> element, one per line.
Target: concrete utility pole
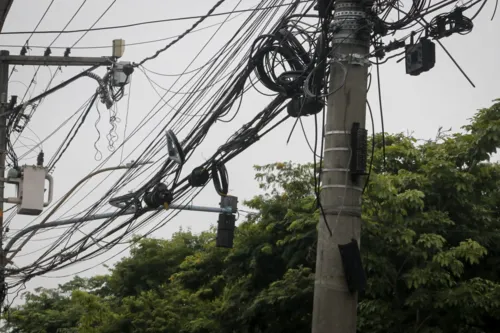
<point x="335" y="307"/>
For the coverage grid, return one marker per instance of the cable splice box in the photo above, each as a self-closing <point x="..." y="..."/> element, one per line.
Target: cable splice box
<point x="420" y="57"/>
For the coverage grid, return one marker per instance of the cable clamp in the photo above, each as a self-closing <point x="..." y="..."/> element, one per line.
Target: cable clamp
<point x="351" y="59"/>
<point x="347" y="211"/>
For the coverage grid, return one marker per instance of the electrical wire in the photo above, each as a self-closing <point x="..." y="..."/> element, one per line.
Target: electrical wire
<point x="48" y="51"/>
<point x="138" y="43"/>
<point x="126" y="119"/>
<point x="55" y="131"/>
<point x="184" y="34"/>
<point x="211" y="100"/>
<point x="86" y="31"/>
<point x="69" y="22"/>
<point x="145" y="22"/>
<point x="26" y="44"/>
<point x="379" y="89"/>
<point x="69" y="139"/>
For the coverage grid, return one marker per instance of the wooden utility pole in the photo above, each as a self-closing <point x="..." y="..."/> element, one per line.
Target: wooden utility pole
<point x="335" y="307"/>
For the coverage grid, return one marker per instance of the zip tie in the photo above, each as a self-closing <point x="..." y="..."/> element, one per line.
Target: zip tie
<point x="337" y="149"/>
<point x="354" y="188"/>
<point x="335" y="170"/>
<point x="338" y="132"/>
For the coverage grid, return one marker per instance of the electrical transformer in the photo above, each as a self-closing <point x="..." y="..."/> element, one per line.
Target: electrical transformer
<point x="31" y="190"/>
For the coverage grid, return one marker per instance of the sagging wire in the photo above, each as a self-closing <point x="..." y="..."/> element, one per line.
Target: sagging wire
<point x="379" y="89"/>
<point x="222" y="110"/>
<point x="290" y="84"/>
<point x="203" y="18"/>
<point x="56" y="158"/>
<point x="259" y="121"/>
<point x="202" y="136"/>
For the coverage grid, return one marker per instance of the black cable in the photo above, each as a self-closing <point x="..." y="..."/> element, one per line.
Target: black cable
<point x="209" y="70"/>
<point x="84" y="116"/>
<point x="40" y="21"/>
<point x="381" y="114"/>
<point x="121" y="226"/>
<point x="32" y="81"/>
<point x="163" y="222"/>
<point x="48" y="47"/>
<point x="165" y="102"/>
<point x="86" y="31"/>
<point x="184" y="34"/>
<point x="220" y="179"/>
<point x="26" y="44"/>
<point x="222" y="66"/>
<point x="191" y="92"/>
<point x="129" y="44"/>
<point x="220" y="106"/>
<point x="224" y="110"/>
<point x="424" y="27"/>
<point x="321" y="52"/>
<point x="367" y="180"/>
<point x="317" y="180"/>
<point x="126" y="119"/>
<point x="243" y="75"/>
<point x="74" y="193"/>
<point x="68" y="23"/>
<point x="53" y="41"/>
<point x="145" y="22"/>
<point x="183" y="73"/>
<point x="479" y="10"/>
<point x="56" y="130"/>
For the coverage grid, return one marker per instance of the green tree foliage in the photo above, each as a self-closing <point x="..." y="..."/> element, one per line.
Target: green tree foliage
<point x="45" y="311"/>
<point x="429" y="246"/>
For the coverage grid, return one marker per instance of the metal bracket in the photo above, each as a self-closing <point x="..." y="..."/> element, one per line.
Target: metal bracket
<point x="229" y="202"/>
<point x="351" y="59"/>
<point x="123" y="201"/>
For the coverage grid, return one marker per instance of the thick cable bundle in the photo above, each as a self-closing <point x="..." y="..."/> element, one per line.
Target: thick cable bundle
<point x="292" y="59"/>
<point x="282" y="44"/>
<point x="444" y="25"/>
<point x="102" y="90"/>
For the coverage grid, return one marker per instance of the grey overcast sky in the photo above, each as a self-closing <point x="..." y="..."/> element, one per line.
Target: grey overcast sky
<point x="441" y="97"/>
